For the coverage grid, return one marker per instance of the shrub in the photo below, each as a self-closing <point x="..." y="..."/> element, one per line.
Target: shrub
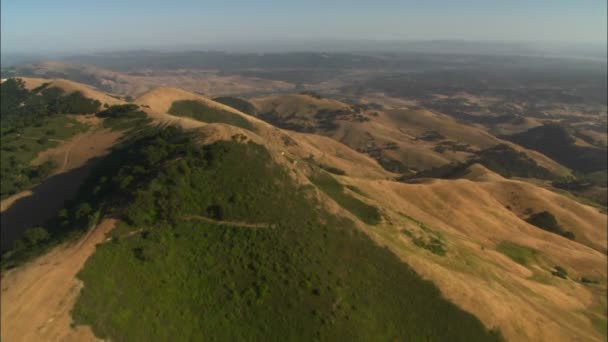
<point x="33" y="236"/>
<point x="546" y="221"/>
<point x="331" y="169"/>
<point x="334" y="189"/>
<point x="520" y="254"/>
<point x="124" y="117"/>
<point x="238" y="104"/>
<point x="586" y="280"/>
<point x="560" y="272"/>
<point x="202" y="112"/>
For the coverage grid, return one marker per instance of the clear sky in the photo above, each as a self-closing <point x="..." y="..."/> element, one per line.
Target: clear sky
<point x="89" y="25"/>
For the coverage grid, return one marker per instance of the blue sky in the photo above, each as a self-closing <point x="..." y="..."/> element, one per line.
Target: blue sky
<point x="89" y="25"/>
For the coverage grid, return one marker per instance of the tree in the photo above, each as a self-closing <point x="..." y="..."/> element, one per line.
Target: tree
<point x="83" y="210"/>
<point x="560" y="272"/>
<point x="35" y="235"/>
<point x="546" y="221"/>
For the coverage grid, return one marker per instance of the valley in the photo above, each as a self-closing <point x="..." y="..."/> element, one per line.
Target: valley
<point x="258" y="202"/>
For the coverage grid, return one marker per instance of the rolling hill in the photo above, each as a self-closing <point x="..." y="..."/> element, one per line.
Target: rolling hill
<point x="557" y="143"/>
<point x="248" y="225"/>
<point x="401" y="139"/>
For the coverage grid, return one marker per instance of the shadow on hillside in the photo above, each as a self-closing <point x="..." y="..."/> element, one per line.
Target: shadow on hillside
<point x="43" y="204"/>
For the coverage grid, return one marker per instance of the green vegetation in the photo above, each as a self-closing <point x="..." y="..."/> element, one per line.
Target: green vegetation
<point x="586" y="280"/>
<point x="312" y="276"/>
<point x="560" y="272"/>
<point x="31" y="122"/>
<point x="200" y="111"/>
<point x="546" y="221"/>
<point x="508" y="162"/>
<point x="356" y="190"/>
<point x="449" y="171"/>
<point x="520" y="254"/>
<point x="331" y="169"/>
<point x="426" y="238"/>
<point x="334" y="189"/>
<point x="501" y="159"/>
<point x="432" y="242"/>
<point x="600" y="324"/>
<point x="238" y="104"/>
<point x="312" y="94"/>
<point x="19" y="148"/>
<point x="392" y="165"/>
<point x="583" y="186"/>
<point x="124" y="117"/>
<point x="558" y="143"/>
<point x="20" y="108"/>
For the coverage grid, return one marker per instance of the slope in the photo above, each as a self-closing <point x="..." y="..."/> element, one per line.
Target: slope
<point x="286" y="145"/>
<point x="401" y="139"/>
<point x="464" y="235"/>
<point x="556" y="142"/>
<point x="301" y="265"/>
<point x="474" y="222"/>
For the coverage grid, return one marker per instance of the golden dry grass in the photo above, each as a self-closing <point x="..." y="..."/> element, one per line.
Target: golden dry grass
<point x="37" y="297"/>
<point x="157" y="103"/>
<point x="300" y="104"/>
<point x="526" y="303"/>
<point x="70" y="87"/>
<point x="77" y="151"/>
<point x="137" y="82"/>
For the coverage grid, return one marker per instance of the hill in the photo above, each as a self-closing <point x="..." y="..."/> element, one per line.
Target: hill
<point x="401" y="139"/>
<point x="158" y="103"/>
<point x="284" y="211"/>
<point x="556" y="142"/>
<point x="288" y="264"/>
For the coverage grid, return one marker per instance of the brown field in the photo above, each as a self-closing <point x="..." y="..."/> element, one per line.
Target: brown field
<point x="37" y="297"/>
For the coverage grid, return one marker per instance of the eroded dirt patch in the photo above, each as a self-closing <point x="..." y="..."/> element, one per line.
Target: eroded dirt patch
<point x="37" y="298"/>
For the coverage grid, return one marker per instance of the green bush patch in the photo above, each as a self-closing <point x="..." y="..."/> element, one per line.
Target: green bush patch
<point x="331" y="169"/>
<point x="546" y="221"/>
<point x="200" y="111"/>
<point x="238" y="104"/>
<point x="520" y="254"/>
<point x="124" y="117"/>
<point x="334" y="189"/>
<point x="560" y="272"/>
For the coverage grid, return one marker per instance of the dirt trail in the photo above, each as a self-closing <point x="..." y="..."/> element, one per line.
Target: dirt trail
<point x="66" y="155"/>
<point x="37" y="298"/>
<point x="75" y="152"/>
<point x="228" y="223"/>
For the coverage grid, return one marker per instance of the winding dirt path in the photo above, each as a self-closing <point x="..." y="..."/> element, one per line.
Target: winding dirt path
<point x="228" y="223"/>
<point x="66" y="155"/>
<point x="37" y="297"/>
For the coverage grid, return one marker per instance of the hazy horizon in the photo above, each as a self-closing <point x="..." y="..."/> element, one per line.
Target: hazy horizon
<point x="67" y="26"/>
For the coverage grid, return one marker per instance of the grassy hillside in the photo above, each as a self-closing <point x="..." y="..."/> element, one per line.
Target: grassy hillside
<point x="328" y="184"/>
<point x="32" y="122"/>
<point x="238" y="104"/>
<point x="501" y="159"/>
<point x="200" y="111"/>
<point x="557" y="143"/>
<point x="189" y="243"/>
